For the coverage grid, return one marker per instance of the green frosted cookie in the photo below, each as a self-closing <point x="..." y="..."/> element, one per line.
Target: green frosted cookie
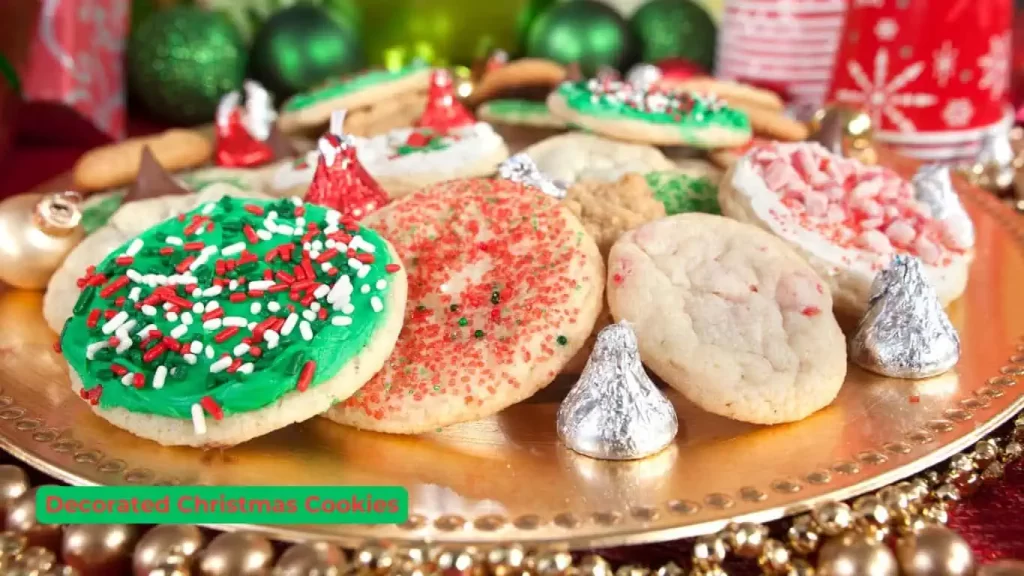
<point x="683" y="193"/>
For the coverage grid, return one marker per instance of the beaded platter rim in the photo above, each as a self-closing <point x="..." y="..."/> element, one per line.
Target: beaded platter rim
<point x="44" y="444"/>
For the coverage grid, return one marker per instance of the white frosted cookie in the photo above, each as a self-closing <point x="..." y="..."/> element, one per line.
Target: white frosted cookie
<point x="127" y="222"/>
<point x="847" y="219"/>
<point x="568" y="158"/>
<point x="730" y="316"/>
<point x="292" y="177"/>
<point x="407" y="159"/>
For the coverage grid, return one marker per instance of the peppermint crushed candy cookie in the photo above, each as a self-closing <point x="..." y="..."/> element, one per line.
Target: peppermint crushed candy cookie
<point x="848" y="219"/>
<point x="652" y="115"/>
<point x="233" y="320"/>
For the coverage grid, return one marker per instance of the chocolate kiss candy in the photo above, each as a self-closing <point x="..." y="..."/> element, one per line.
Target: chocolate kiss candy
<point x="521" y="168"/>
<point x="152" y="181"/>
<point x="279" y="144"/>
<point x="995" y="159"/>
<point x="934" y="188"/>
<point x="615" y="412"/>
<point x="905" y="333"/>
<point x="643" y="76"/>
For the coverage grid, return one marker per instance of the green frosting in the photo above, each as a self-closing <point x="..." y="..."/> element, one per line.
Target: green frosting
<point x="343" y="86"/>
<point x="257" y="379"/>
<point x="518" y="108"/>
<point x="692" y="113"/>
<point x="423" y="141"/>
<point x="681" y="193"/>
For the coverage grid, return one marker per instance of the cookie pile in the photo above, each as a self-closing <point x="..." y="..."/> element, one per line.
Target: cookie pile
<point x="411" y="276"/>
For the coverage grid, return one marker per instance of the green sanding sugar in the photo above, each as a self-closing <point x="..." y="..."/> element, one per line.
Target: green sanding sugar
<point x="683" y="193"/>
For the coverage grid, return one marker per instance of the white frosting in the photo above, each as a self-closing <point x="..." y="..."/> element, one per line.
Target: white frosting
<point x="767" y="206"/>
<point x="288" y="176"/>
<point x="471" y="144"/>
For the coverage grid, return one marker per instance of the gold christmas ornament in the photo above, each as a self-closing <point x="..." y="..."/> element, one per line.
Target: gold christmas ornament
<point x="934" y="551"/>
<point x="237" y="554"/>
<point x="746" y="539"/>
<point x="995" y="166"/>
<point x="774" y="557"/>
<point x="98" y="549"/>
<point x="853" y="554"/>
<point x="11" y="544"/>
<point x="37" y="560"/>
<point x="320" y="558"/>
<point x="833" y="518"/>
<point x="845" y="131"/>
<point x="803" y="535"/>
<point x="1002" y="568"/>
<point x="170" y="569"/>
<point x="163" y="543"/>
<point x="800" y="567"/>
<point x="36" y="233"/>
<point x="708" y="552"/>
<point x="21" y="519"/>
<point x="13" y="483"/>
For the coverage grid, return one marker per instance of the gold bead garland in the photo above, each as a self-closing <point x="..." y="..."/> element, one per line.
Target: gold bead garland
<point x="898" y="530"/>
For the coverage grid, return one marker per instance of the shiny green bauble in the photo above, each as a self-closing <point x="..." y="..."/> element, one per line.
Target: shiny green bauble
<point x="181" y="61"/>
<point x="675" y="29"/>
<point x="300" y="47"/>
<point x="584" y="31"/>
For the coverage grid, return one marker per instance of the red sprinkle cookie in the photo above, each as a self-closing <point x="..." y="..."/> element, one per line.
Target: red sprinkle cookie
<point x="847" y="219"/>
<point x="504" y="287"/>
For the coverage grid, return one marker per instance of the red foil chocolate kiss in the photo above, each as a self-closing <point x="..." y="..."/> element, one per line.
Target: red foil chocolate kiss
<point x="444" y="111"/>
<point x="340" y="181"/>
<point x="246" y="135"/>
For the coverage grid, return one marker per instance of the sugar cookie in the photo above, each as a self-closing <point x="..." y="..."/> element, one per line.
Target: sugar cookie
<point x="504" y="287"/>
<point x="846" y="218"/>
<point x="526" y="77"/>
<point x="233" y="320"/>
<point x="519" y="113"/>
<point x="117" y="164"/>
<point x="651" y="116"/>
<point x="680" y="192"/>
<point x="576" y="156"/>
<point x="730" y="316"/>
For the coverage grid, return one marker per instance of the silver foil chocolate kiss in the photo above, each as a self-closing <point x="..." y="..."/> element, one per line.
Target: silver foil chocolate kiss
<point x="521" y="168"/>
<point x="905" y="333"/>
<point x="643" y="76"/>
<point x="615" y="412"/>
<point x="933" y="187"/>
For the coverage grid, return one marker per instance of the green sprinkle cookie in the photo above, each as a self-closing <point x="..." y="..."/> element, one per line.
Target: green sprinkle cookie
<point x="681" y="193"/>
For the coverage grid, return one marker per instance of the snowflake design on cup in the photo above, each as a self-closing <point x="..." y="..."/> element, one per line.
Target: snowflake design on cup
<point x="886" y="29"/>
<point x="944" y="62"/>
<point x="884" y="96"/>
<point x="995" y="66"/>
<point x="958" y="112"/>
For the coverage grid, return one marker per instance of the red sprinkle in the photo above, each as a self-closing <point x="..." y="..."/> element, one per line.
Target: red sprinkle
<point x="194" y="245"/>
<point x="119" y="302"/>
<point x="278" y="288"/>
<point x="154" y="352"/>
<point x="114" y="286"/>
<point x="124" y="260"/>
<point x="300" y="211"/>
<point x="811" y="311"/>
<point x="215" y="313"/>
<point x="184" y="264"/>
<point x="306" y="376"/>
<point x="118" y="370"/>
<point x="250" y="234"/>
<point x="91" y="396"/>
<point x="255" y="352"/>
<point x="166" y="250"/>
<point x="171" y="344"/>
<point x="97" y="280"/>
<point x="237" y="297"/>
<point x="324" y="257"/>
<point x="284" y="277"/>
<point x="138" y="380"/>
<point x="211" y="407"/>
<point x="56" y="346"/>
<point x="94" y="317"/>
<point x="225" y="334"/>
<point x="108" y="314"/>
<point x="365" y="257"/>
<point x="915" y="399"/>
<point x="256" y="293"/>
<point x="392" y="268"/>
<point x="254" y="209"/>
<point x="197" y="222"/>
<point x="235" y="364"/>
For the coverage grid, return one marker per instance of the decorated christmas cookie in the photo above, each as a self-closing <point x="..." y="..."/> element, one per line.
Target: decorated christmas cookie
<point x="572" y="157"/>
<point x="233" y="320"/>
<point x="730" y="316"/>
<point x="314" y="108"/>
<point x="504" y="287"/>
<point x="652" y="116"/>
<point x="293" y="177"/>
<point x="679" y="192"/>
<point x="520" y="113"/>
<point x="847" y="219"/>
<point x="123" y="223"/>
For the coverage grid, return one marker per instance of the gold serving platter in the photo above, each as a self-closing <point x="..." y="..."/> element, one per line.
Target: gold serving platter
<point x="507" y="478"/>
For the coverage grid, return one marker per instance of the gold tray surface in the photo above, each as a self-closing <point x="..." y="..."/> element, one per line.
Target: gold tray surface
<point x="507" y="478"/>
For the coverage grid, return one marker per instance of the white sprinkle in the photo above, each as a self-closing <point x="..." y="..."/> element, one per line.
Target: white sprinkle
<point x="134" y="293"/>
<point x="381" y="284"/>
<point x="306" y="245"/>
<point x="189" y="358"/>
<point x="197" y="293"/>
<point x="331" y="229"/>
<point x="133" y="275"/>
<point x="363" y="272"/>
<point x="296" y="201"/>
<point x="309" y="315"/>
<point x="123" y="345"/>
<point x="148" y="310"/>
<point x="212" y="305"/>
<point x="199" y="262"/>
<point x="348" y="308"/>
<point x="198" y="308"/>
<point x="236" y="321"/>
<point x="186" y="318"/>
<point x="241" y="349"/>
<point x="341" y="288"/>
<point x="113" y="323"/>
<point x="314" y="254"/>
<point x="195" y="347"/>
<point x="212" y="324"/>
<point x="314" y="306"/>
<point x="282" y="229"/>
<point x="289" y="324"/>
<point x="198" y="420"/>
<point x="354" y="264"/>
<point x="376" y="304"/>
<point x="212" y="291"/>
<point x="261" y="285"/>
<point x="207" y="208"/>
<point x="175" y="240"/>
<point x="341" y="321"/>
<point x="329" y="243"/>
<point x="134" y="247"/>
<point x="365" y="288"/>
<point x="318" y="245"/>
<point x="233" y="285"/>
<point x="305" y="331"/>
<point x="220" y="365"/>
<point x="272" y="215"/>
<point x="127" y="379"/>
<point x="178" y="331"/>
<point x="209" y="250"/>
<point x="358" y="243"/>
<point x="233" y="249"/>
<point x="271" y="337"/>
<point x="171" y="316"/>
<point x="251" y="326"/>
<point x="255" y="308"/>
<point x="321" y="291"/>
<point x="159" y="376"/>
<point x="245" y="368"/>
<point x="326" y="267"/>
<point x="263" y="235"/>
<point x="126" y="327"/>
<point x="341" y="247"/>
<point x="273" y="307"/>
<point x="332" y="216"/>
<point x="168" y="306"/>
<point x="146" y="330"/>
<point x="92" y="349"/>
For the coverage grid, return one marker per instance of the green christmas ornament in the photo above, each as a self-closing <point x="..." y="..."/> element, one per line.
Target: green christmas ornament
<point x="675" y="29"/>
<point x="250" y="15"/>
<point x="181" y="61"/>
<point x="584" y="31"/>
<point x="300" y="47"/>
